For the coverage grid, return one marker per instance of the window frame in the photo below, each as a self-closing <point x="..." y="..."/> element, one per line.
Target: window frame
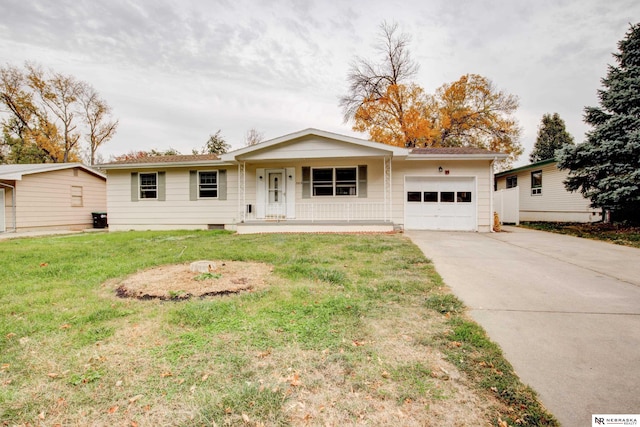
<point x="217" y="185"/>
<point x="335" y="184"/>
<point x="461" y="197"/>
<point x="512" y="181"/>
<point x="142" y="191"/>
<point x="77" y="200"/>
<point x="536" y="183"/>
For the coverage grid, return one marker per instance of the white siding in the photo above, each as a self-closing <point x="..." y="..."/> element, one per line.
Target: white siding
<point x="555" y="203"/>
<point x="176" y="211"/>
<point x="313" y="146"/>
<point x="43" y="200"/>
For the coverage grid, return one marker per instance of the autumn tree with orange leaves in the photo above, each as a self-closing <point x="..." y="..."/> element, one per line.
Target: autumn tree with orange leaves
<point x="384" y="101"/>
<point x="46" y="114"/>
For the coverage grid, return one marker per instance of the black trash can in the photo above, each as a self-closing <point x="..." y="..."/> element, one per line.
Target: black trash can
<point x="99" y="219"/>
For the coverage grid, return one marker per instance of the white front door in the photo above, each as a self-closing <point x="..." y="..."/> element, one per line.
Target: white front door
<point x="2" y="209"/>
<point x="276" y="195"/>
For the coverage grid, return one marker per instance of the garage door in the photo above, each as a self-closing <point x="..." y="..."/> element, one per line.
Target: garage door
<point x="440" y="203"/>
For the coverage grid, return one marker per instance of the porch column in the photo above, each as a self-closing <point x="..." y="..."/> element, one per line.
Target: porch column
<point x="388" y="196"/>
<point x="242" y="201"/>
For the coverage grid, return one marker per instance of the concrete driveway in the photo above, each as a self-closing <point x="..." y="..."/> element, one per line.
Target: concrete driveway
<point x="565" y="310"/>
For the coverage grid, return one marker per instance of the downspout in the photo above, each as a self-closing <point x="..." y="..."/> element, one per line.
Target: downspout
<point x="491" y="211"/>
<point x="13" y="204"/>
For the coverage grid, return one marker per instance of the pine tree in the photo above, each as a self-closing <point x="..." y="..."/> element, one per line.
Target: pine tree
<point x="606" y="167"/>
<point x="552" y="135"/>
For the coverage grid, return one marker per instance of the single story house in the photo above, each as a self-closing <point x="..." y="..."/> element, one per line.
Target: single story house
<point x="536" y="192"/>
<point x="50" y="196"/>
<point x="310" y="180"/>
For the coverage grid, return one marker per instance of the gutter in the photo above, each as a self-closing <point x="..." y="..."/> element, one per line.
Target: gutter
<point x="13" y="204"/>
<point x="492" y="183"/>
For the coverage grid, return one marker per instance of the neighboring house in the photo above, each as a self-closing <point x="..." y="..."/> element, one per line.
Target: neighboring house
<point x="541" y="195"/>
<point x="311" y="180"/>
<point x="50" y="196"/>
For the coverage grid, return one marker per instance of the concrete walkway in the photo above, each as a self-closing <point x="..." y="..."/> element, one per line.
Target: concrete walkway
<point x="565" y="310"/>
<point x="40" y="233"/>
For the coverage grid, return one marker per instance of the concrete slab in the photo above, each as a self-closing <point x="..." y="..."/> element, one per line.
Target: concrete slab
<point x="565" y="310"/>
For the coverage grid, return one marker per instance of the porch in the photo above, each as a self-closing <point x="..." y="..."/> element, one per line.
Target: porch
<point x="334" y="217"/>
<point x="302" y="226"/>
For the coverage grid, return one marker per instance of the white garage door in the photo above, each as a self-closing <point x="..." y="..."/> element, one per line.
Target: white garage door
<point x="440" y="203"/>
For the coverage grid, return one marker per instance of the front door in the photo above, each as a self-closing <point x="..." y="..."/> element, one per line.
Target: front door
<point x="276" y="202"/>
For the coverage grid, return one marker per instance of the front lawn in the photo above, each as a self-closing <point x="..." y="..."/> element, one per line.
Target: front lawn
<point x="346" y="330"/>
<point x="620" y="234"/>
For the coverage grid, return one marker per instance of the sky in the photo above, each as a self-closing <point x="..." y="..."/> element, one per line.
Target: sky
<point x="175" y="72"/>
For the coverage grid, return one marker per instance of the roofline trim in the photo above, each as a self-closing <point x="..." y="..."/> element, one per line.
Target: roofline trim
<point x="523" y="168"/>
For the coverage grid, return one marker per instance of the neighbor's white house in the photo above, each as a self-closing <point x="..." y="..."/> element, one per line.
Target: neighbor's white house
<point x="311" y="180"/>
<point x="50" y="196"/>
<point x="536" y="192"/>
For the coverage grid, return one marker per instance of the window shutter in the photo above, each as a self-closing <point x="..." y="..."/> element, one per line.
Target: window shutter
<point x="193" y="185"/>
<point x="362" y="181"/>
<point x="162" y="186"/>
<point x="306" y="182"/>
<point x="222" y="184"/>
<point x="134" y="186"/>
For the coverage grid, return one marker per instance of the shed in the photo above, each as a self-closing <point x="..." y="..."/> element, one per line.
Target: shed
<point x="50" y="196"/>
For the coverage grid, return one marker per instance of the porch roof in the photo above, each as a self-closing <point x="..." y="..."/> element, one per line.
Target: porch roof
<point x="313" y="143"/>
<point x="15" y="172"/>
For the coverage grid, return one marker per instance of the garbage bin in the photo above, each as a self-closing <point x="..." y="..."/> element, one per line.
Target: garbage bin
<point x="99" y="219"/>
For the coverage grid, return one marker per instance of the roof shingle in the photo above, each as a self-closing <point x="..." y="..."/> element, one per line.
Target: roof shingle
<point x="180" y="158"/>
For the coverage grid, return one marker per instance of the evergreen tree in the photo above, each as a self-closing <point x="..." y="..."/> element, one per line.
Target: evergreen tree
<point x="216" y="144"/>
<point x="552" y="135"/>
<point x="606" y="167"/>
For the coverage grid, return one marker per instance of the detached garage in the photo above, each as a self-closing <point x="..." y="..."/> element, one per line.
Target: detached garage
<point x="446" y="203"/>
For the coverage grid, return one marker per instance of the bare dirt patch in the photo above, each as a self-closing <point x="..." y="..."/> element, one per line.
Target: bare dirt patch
<point x="177" y="282"/>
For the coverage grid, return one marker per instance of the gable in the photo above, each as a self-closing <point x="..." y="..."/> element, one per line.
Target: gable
<point x="315" y="147"/>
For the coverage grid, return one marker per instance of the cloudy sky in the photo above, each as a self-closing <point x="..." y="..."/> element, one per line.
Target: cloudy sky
<point x="176" y="72"/>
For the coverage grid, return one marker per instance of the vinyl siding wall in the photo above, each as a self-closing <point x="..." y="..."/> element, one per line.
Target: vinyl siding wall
<point x="177" y="211"/>
<point x="44" y="200"/>
<point x="480" y="170"/>
<point x="555" y="203"/>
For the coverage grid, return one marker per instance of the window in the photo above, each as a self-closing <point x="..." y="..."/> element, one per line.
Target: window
<point x="447" y="197"/>
<point x="346" y="181"/>
<point x="76" y="196"/>
<point x="536" y="183"/>
<point x="208" y="184"/>
<point x="463" y="197"/>
<point x="149" y="185"/>
<point x="431" y="196"/>
<point x="334" y="181"/>
<point x="413" y="196"/>
<point x="512" y="181"/>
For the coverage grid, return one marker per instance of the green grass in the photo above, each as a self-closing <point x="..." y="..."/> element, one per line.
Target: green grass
<point x="339" y="333"/>
<point x="620" y="234"/>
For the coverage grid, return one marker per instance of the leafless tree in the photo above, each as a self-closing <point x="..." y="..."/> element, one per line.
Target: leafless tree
<point x="253" y="137"/>
<point x="97" y="116"/>
<point x="368" y="81"/>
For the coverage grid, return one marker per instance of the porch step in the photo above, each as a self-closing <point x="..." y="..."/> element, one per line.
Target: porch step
<point x="314" y="227"/>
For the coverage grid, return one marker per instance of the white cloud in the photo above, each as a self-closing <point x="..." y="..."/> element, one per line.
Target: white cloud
<point x="176" y="72"/>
